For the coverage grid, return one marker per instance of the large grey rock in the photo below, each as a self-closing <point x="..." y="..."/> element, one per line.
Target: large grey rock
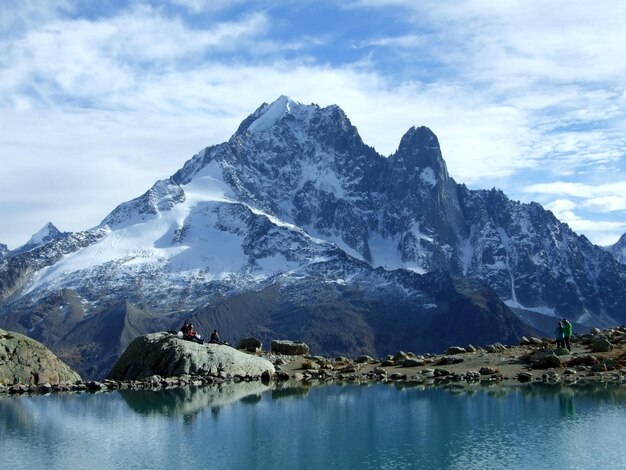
<point x="601" y="343"/>
<point x="289" y="348"/>
<point x="250" y="344"/>
<point x="546" y="360"/>
<point x="167" y="355"/>
<point x="31" y="362"/>
<point x="456" y="350"/>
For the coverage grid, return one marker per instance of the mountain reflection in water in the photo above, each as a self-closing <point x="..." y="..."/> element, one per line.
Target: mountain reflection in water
<point x="250" y="425"/>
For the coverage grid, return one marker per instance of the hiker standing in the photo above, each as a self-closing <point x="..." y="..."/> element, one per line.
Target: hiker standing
<point x="559" y="334"/>
<point x="567" y="334"/>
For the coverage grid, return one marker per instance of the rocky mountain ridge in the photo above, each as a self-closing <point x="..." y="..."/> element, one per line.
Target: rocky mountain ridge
<point x="296" y="228"/>
<point x="618" y="250"/>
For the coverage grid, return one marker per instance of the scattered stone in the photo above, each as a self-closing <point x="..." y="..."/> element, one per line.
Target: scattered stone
<point x="601" y="343"/>
<point x="545" y="360"/>
<point x="250" y="345"/>
<point x="289" y="348"/>
<point x="470" y="349"/>
<point x="364" y="359"/>
<point x="586" y="360"/>
<point x="487" y="371"/>
<point x="496" y="348"/>
<point x="455" y="350"/>
<point x="400" y="356"/>
<point x="447" y="360"/>
<point x="562" y="352"/>
<point x="412" y="362"/>
<point x="397" y="376"/>
<point x="524" y="377"/>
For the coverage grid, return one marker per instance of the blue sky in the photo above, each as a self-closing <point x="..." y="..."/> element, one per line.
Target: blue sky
<point x="98" y="100"/>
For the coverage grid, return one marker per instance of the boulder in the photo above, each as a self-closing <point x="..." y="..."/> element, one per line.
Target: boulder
<point x="166" y="355"/>
<point x="496" y="348"/>
<point x="545" y="360"/>
<point x="412" y="362"/>
<point x="487" y="371"/>
<point x="27" y="361"/>
<point x="364" y="360"/>
<point x="400" y="356"/>
<point x="562" y="352"/>
<point x="250" y="345"/>
<point x="456" y="350"/>
<point x="290" y="348"/>
<point x="601" y="343"/>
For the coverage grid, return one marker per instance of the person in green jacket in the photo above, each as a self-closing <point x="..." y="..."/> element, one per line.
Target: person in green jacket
<point x="559" y="334"/>
<point x="567" y="333"/>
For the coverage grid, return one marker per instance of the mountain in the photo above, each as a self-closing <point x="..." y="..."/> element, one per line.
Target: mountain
<point x="296" y="229"/>
<point x="45" y="235"/>
<point x="618" y="250"/>
<point x="4" y="250"/>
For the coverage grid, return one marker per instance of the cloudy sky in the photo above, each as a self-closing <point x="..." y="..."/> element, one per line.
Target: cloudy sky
<point x="98" y="100"/>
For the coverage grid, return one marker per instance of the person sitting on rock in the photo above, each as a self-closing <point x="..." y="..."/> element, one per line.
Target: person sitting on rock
<point x="215" y="338"/>
<point x="185" y="328"/>
<point x="192" y="335"/>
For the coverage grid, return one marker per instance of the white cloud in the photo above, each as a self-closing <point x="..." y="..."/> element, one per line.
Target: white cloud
<point x="606" y="203"/>
<point x="97" y="60"/>
<point x="525" y="89"/>
<point x="200" y="6"/>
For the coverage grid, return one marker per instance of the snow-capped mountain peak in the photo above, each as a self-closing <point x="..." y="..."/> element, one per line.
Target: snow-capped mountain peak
<point x="273" y="113"/>
<point x="44" y="235"/>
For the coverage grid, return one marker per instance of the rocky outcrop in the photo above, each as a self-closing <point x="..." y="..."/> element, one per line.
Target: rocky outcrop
<point x="167" y="355"/>
<point x="27" y="361"/>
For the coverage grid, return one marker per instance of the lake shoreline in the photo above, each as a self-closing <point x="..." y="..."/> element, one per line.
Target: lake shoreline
<point x="596" y="358"/>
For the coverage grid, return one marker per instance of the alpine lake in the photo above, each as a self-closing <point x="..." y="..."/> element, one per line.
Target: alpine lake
<point x="251" y="426"/>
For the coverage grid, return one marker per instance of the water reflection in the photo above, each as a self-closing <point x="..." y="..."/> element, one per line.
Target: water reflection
<point x="185" y="401"/>
<point x="251" y="425"/>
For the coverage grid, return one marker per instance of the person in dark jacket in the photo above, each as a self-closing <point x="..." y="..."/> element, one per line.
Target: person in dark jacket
<point x="215" y="338"/>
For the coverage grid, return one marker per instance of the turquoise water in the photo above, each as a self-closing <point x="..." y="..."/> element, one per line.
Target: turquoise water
<point x="247" y="426"/>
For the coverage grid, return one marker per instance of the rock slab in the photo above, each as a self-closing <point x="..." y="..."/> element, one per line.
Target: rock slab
<point x="167" y="355"/>
<point x="290" y="348"/>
